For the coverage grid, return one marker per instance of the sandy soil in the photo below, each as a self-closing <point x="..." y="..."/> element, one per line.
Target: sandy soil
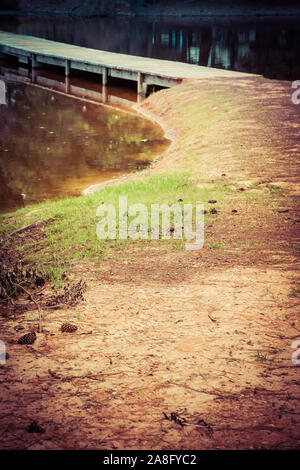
<point x="175" y="349"/>
<point x="146" y="348"/>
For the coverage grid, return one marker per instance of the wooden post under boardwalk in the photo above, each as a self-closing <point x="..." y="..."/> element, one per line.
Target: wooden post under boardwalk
<point x="33" y="61"/>
<point x="104" y="76"/>
<point x="142" y="85"/>
<point x="67" y="68"/>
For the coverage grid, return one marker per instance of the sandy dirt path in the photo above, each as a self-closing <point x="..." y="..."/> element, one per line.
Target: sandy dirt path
<point x="149" y="348"/>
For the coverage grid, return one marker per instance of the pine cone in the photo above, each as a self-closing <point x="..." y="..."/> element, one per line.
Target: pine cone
<point x="68" y="328"/>
<point x="29" y="338"/>
<point x="35" y="428"/>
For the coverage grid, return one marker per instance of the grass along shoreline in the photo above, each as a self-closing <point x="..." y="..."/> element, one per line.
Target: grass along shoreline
<point x="225" y="148"/>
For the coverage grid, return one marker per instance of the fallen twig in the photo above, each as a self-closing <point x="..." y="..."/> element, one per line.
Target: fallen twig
<point x="35" y="302"/>
<point x="20" y="230"/>
<point x="88" y="376"/>
<point x="212" y="319"/>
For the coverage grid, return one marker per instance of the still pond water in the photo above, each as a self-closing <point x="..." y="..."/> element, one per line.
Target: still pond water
<point x="53" y="145"/>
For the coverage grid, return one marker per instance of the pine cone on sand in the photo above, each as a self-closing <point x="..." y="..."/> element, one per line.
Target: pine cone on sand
<point x="29" y="338"/>
<point x="35" y="428"/>
<point x="68" y="328"/>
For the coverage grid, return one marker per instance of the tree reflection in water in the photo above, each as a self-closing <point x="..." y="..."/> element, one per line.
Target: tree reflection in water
<point x="52" y="145"/>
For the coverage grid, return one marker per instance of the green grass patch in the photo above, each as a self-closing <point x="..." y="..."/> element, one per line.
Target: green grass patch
<point x="295" y="291"/>
<point x="67" y="227"/>
<point x="261" y="357"/>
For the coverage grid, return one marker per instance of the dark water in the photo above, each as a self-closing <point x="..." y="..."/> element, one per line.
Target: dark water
<point x="53" y="145"/>
<point x="266" y="46"/>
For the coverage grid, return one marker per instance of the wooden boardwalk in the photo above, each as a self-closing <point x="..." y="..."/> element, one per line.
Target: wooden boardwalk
<point x="145" y="71"/>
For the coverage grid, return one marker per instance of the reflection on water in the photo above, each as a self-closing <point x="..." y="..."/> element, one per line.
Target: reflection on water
<point x="52" y="145"/>
<point x="265" y="46"/>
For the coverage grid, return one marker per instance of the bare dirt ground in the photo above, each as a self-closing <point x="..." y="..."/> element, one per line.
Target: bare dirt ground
<point x="177" y="349"/>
